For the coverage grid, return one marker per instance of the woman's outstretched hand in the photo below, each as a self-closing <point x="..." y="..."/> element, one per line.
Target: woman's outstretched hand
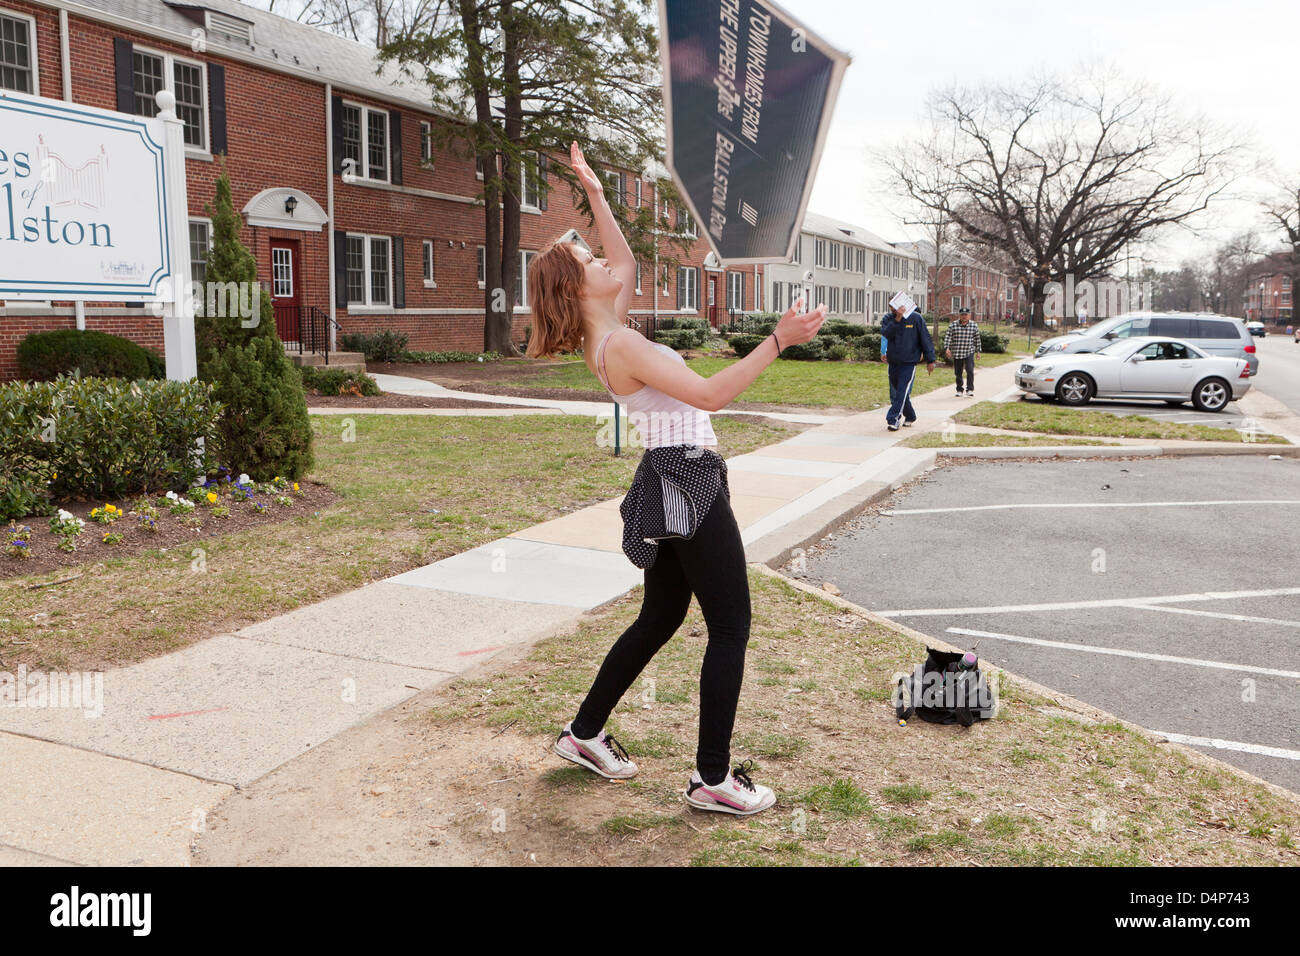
<point x="797" y="327"/>
<point x="586" y="175"/>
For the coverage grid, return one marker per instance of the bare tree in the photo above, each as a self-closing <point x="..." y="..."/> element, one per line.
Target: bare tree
<point x="1060" y="178"/>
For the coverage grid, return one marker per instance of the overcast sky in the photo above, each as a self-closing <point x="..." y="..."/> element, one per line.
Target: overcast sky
<point x="1236" y="62"/>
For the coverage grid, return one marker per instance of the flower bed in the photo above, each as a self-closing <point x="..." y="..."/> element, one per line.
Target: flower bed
<point x="91" y="531"/>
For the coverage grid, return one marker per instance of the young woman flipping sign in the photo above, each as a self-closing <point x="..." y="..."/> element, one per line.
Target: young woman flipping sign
<point x="678" y="523"/>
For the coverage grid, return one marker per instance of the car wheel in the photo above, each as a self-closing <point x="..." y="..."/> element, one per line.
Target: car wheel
<point x="1074" y="389"/>
<point x="1211" y="395"/>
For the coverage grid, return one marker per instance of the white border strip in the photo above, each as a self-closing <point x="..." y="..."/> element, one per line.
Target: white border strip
<point x="1218" y="744"/>
<point x="1120" y="652"/>
<point x="1133" y="602"/>
<point x="1095" y="504"/>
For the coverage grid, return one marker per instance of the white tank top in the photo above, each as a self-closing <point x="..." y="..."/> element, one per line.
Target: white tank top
<point x="661" y="419"/>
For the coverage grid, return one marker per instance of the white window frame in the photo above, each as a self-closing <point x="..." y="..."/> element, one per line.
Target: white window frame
<point x="638" y="262"/>
<point x="482" y="267"/>
<point x="33" y="55"/>
<point x="521" y="299"/>
<point x="169" y="83"/>
<point x="691" y="301"/>
<point x="958" y="275"/>
<point x="426" y="143"/>
<point x="531" y="160"/>
<point x="736" y="289"/>
<point x="368" y="284"/>
<point x="798" y="251"/>
<point x="363" y="170"/>
<point x="207" y="224"/>
<point x="835" y="256"/>
<point x="819" y="253"/>
<point x="429" y="264"/>
<point x="956" y="303"/>
<point x="638" y="200"/>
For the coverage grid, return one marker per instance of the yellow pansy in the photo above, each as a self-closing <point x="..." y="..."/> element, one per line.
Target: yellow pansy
<point x="211" y="497"/>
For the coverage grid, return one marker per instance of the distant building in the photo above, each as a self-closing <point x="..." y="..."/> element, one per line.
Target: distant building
<point x="850" y="269"/>
<point x="959" y="281"/>
<point x="1267" y="297"/>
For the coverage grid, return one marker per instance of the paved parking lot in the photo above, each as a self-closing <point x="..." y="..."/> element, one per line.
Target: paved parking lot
<point x="1166" y="591"/>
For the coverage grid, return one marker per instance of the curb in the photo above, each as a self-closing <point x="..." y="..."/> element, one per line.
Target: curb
<point x="1065" y="701"/>
<point x="776" y="547"/>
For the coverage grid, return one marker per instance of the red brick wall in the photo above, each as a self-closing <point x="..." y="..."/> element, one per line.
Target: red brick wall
<point x="286" y="147"/>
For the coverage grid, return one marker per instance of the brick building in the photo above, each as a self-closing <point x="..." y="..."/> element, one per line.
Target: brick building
<point x="959" y="281"/>
<point x="1267" y="297"/>
<point x="347" y="207"/>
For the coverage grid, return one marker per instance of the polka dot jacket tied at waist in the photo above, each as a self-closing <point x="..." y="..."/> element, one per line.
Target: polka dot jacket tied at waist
<point x="673" y="490"/>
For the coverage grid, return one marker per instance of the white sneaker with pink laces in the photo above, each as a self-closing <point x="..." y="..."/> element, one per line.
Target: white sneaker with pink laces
<point x="602" y="753"/>
<point x="737" y="794"/>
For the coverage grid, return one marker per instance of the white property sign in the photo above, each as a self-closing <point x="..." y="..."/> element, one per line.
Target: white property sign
<point x="84" y="199"/>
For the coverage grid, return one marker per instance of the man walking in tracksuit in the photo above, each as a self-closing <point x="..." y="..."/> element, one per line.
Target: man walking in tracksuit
<point x="909" y="341"/>
<point x="961" y="343"/>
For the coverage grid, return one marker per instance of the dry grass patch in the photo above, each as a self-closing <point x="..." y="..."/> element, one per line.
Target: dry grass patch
<point x="1036" y="785"/>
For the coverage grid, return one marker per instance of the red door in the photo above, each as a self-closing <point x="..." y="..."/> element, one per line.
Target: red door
<point x="285" y="295"/>
<point x="714" y="298"/>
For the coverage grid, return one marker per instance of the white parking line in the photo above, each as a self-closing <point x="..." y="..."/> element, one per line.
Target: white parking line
<point x="1227" y="617"/>
<point x="1133" y="602"/>
<point x="1218" y="744"/>
<point x="1094" y="504"/>
<point x="1121" y="652"/>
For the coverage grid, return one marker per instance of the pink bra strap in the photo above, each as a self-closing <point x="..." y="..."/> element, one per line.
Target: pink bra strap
<point x="600" y="362"/>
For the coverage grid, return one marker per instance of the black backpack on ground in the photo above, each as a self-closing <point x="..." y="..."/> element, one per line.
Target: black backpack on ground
<point x="947" y="694"/>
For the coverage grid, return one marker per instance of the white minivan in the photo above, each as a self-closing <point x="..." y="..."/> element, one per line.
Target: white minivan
<point x="1215" y="334"/>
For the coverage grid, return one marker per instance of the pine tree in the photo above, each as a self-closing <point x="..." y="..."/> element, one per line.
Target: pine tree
<point x="265" y="430"/>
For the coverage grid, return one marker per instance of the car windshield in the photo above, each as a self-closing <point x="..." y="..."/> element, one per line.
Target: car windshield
<point x="1123" y="345"/>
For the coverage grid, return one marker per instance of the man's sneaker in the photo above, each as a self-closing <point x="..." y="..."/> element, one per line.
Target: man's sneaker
<point x="602" y="753"/>
<point x="892" y="426"/>
<point x="960" y="393"/>
<point x="908" y="424"/>
<point x="737" y="794"/>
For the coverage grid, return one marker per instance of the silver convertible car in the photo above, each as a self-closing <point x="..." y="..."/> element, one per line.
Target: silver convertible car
<point x="1148" y="367"/>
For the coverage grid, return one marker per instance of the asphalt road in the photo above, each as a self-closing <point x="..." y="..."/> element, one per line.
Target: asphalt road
<point x="1279" y="369"/>
<point x="1166" y="591"/>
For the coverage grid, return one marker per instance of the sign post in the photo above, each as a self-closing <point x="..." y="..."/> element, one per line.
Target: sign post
<point x="748" y="98"/>
<point x="93" y="207"/>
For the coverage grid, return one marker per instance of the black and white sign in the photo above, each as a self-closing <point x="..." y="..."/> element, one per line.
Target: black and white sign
<point x="748" y="98"/>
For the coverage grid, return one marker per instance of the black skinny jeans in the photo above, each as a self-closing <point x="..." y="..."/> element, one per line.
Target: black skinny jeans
<point x="712" y="566"/>
<point x="966" y="364"/>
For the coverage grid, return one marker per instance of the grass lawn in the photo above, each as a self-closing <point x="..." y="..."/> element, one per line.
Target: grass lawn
<point x="1036" y="785"/>
<point x="1050" y="418"/>
<point x="859" y="385"/>
<point x="415" y="490"/>
<point x="938" y="439"/>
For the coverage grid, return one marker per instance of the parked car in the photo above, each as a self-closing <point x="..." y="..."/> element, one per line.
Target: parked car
<point x="1215" y="334"/>
<point x="1148" y="367"/>
<point x="1256" y="328"/>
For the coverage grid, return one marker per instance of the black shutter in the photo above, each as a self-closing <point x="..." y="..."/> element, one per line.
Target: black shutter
<point x="217" y="99"/>
<point x="336" y="110"/>
<point x="399" y="273"/>
<point x="395" y="148"/>
<point x="340" y="268"/>
<point x="542" y="165"/>
<point x="622" y="188"/>
<point x="125" y="73"/>
<point x="681" y="288"/>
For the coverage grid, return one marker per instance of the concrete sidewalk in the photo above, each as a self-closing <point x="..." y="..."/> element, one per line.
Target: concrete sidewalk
<point x="178" y="733"/>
